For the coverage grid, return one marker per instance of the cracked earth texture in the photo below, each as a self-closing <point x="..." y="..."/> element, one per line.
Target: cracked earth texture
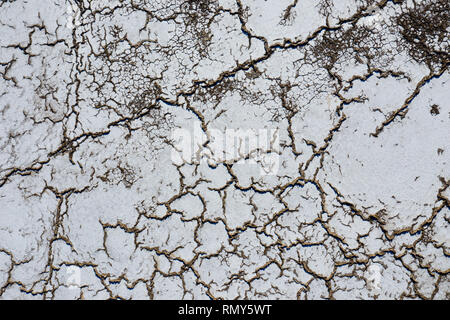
<point x="93" y="205"/>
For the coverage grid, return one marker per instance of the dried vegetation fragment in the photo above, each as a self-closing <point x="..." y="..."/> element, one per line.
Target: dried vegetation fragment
<point x="93" y="205"/>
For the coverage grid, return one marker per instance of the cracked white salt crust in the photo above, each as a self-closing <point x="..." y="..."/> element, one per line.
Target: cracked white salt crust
<point x="274" y="21"/>
<point x="98" y="100"/>
<point x="402" y="158"/>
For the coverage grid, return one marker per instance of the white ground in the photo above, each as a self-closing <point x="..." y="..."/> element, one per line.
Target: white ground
<point x="347" y="197"/>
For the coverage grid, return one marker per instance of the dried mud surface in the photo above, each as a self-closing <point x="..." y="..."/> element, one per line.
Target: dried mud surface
<point x="93" y="205"/>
